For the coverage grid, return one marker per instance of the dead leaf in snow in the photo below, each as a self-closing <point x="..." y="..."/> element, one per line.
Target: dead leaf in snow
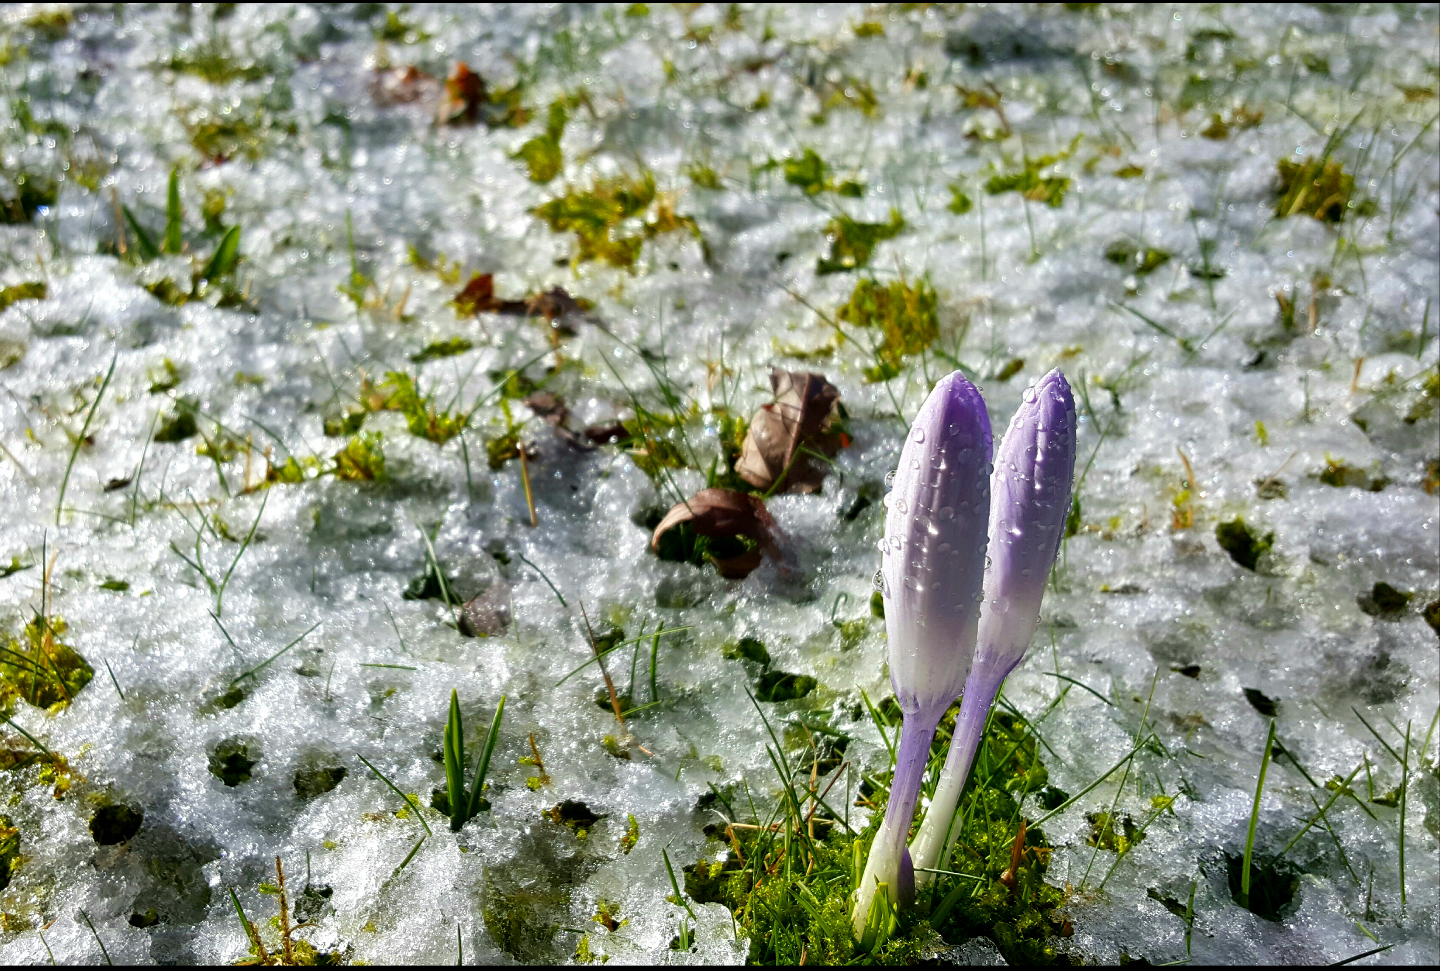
<point x="723" y="514"/>
<point x="791" y="433"/>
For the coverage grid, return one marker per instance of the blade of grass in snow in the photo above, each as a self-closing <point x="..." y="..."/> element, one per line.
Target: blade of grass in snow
<point x="80" y="439"/>
<point x="396" y="789"/>
<point x="1255" y="818"/>
<point x="266" y="663"/>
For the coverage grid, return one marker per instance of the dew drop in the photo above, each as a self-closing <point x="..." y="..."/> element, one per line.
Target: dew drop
<point x="910" y="584"/>
<point x="1029" y="395"/>
<point x="947" y="512"/>
<point x="878" y="581"/>
<point x="918" y="434"/>
<point x="890" y="480"/>
<point x="900" y="506"/>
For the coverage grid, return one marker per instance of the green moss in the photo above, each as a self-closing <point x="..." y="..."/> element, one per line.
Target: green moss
<point x="1140" y="260"/>
<point x="1030" y="183"/>
<point x="398" y="392"/>
<point x="435" y="350"/>
<point x="41" y="668"/>
<point x="780" y="686"/>
<point x="852" y="242"/>
<point x="905" y="314"/>
<point x="1316" y="187"/>
<point x="30" y="290"/>
<point x="231" y="762"/>
<point x="748" y="649"/>
<point x="1243" y="543"/>
<point x="598" y="217"/>
<point x="362" y="459"/>
<point x="960" y="203"/>
<point x="9" y="850"/>
<point x="703" y="177"/>
<point x="1342" y="475"/>
<point x="541" y="154"/>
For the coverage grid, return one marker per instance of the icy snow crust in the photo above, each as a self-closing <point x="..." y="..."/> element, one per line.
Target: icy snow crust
<point x="340" y="553"/>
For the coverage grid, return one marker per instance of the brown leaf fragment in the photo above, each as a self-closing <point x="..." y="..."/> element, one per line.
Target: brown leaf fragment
<point x="556" y="305"/>
<point x="552" y="408"/>
<point x="487" y="614"/>
<point x="606" y="434"/>
<point x="782" y="437"/>
<point x="464" y="95"/>
<point x="402" y="85"/>
<point x="725" y="514"/>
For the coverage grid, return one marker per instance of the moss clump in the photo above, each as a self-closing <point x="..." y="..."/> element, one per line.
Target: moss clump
<point x="31" y="290"/>
<point x="231" y="762"/>
<point x="1140" y="260"/>
<point x="853" y="242"/>
<point x="361" y="460"/>
<point x="798" y="899"/>
<point x="398" y="392"/>
<point x="780" y="686"/>
<point x="1316" y="187"/>
<point x="541" y="154"/>
<point x="905" y="314"/>
<point x="9" y="850"/>
<point x="40" y="668"/>
<point x="1385" y="602"/>
<point x="438" y="349"/>
<point x="1340" y="474"/>
<point x="608" y="219"/>
<point x="1242" y="542"/>
<point x="1030" y="183"/>
<point x="812" y="174"/>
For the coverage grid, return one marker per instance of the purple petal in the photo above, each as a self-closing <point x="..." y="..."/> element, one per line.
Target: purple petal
<point x="934" y="546"/>
<point x="1033" y="474"/>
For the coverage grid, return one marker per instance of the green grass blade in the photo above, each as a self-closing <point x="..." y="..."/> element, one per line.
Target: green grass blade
<point x="80" y="439"/>
<point x="482" y="768"/>
<point x="266" y="663"/>
<point x="396" y="789"/>
<point x="143" y="243"/>
<point x="97" y="939"/>
<point x="1404" y="793"/>
<point x="220" y="594"/>
<point x="409" y="856"/>
<point x="880" y="725"/>
<point x="226" y="258"/>
<point x="1323" y="809"/>
<point x="454" y="764"/>
<point x="675" y="885"/>
<point x="174" y="215"/>
<point x="1255" y="817"/>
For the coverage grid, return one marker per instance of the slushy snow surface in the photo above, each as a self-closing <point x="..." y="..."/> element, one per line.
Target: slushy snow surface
<point x="1197" y="405"/>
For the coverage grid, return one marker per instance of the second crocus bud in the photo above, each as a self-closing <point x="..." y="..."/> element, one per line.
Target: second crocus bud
<point x="1030" y="498"/>
<point x="933" y="566"/>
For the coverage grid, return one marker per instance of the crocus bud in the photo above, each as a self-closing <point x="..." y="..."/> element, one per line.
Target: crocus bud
<point x="934" y="563"/>
<point x="1030" y="498"/>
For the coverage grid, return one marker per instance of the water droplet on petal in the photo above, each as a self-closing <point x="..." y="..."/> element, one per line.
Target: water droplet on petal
<point x="900" y="505"/>
<point x="879" y="582"/>
<point x="890" y="479"/>
<point x="947" y="512"/>
<point x="1029" y="395"/>
<point x="918" y="434"/>
<point x="910" y="584"/>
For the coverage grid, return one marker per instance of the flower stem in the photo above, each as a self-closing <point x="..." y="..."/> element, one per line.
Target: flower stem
<point x="937" y="833"/>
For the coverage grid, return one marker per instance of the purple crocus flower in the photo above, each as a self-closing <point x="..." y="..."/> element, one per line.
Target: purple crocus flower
<point x="934" y="563"/>
<point x="1030" y="500"/>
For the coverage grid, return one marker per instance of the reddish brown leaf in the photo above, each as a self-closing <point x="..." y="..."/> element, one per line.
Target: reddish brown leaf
<point x="726" y="513"/>
<point x="464" y="95"/>
<point x="782" y="434"/>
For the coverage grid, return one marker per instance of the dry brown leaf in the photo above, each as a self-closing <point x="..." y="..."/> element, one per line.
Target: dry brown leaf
<point x="782" y="434"/>
<point x="725" y="513"/>
<point x="464" y="95"/>
<point x="488" y="614"/>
